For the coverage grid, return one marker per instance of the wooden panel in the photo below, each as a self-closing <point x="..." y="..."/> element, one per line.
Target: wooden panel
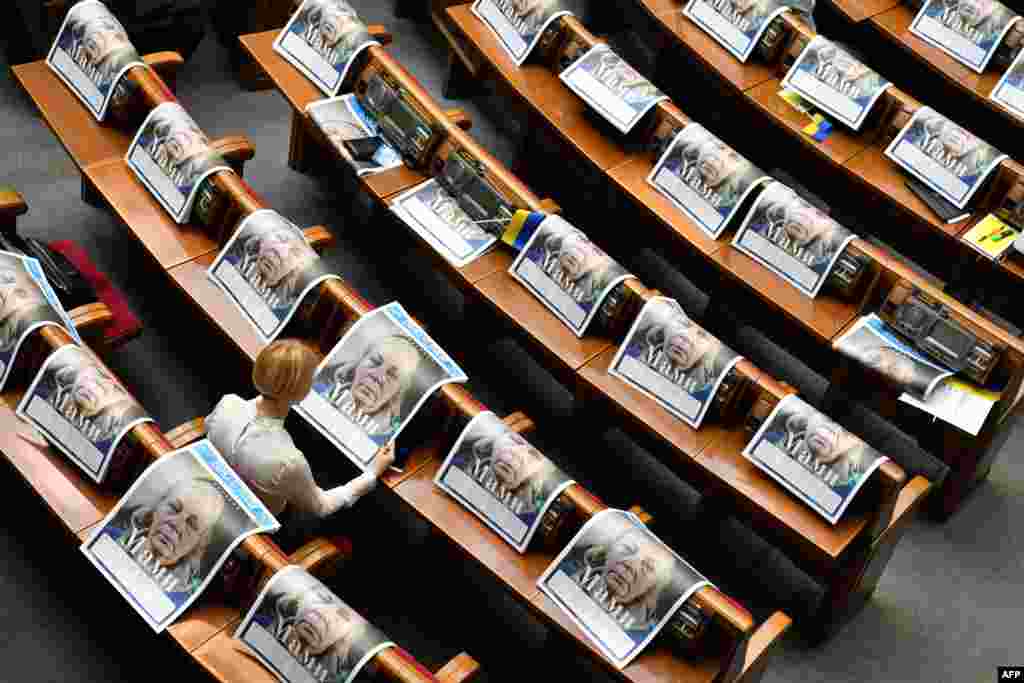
<point x="201" y="622"/>
<point x="296" y="88"/>
<point x="859" y="10"/>
<point x="227" y="659"/>
<point x="169" y="243"/>
<point x="85" y="139"/>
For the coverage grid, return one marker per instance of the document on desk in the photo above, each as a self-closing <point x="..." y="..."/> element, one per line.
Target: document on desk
<point x="792" y="238"/>
<point x="436" y="216"/>
<point x="374" y="381"/>
<point x="266" y="270"/>
<point x="612" y="87"/>
<point x="969" y="32"/>
<point x="813" y="457"/>
<point x="323" y="39"/>
<point x="501" y="478"/>
<point x="82" y="409"/>
<point x="673" y="360"/>
<point x="836" y="81"/>
<point x="705" y="178"/>
<point x="343" y="118"/>
<point x="947" y="158"/>
<point x="172" y="157"/>
<point x="567" y="272"/>
<point x="1009" y="91"/>
<point x="303" y="633"/>
<point x="91" y="54"/>
<point x="166" y="539"/>
<point x="518" y="24"/>
<point x="875" y="345"/>
<point x="619" y="584"/>
<point x="959" y="403"/>
<point x="737" y="25"/>
<point x="27" y="303"/>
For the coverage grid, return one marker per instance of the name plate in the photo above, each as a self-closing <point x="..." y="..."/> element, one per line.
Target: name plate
<point x="619" y="584"/>
<point x="812" y="457"/>
<point x="836" y="81"/>
<point x="343" y="118"/>
<point x="168" y="536"/>
<point x="969" y="32"/>
<point x="673" y="360"/>
<point x="949" y="159"/>
<point x="736" y="25"/>
<point x="791" y="238"/>
<point x="303" y="633"/>
<point x="322" y="40"/>
<point x="91" y="54"/>
<point x="1009" y="91"/>
<point x="612" y="87"/>
<point x="266" y="270"/>
<point x="518" y="24"/>
<point x="437" y="217"/>
<point x="374" y="381"/>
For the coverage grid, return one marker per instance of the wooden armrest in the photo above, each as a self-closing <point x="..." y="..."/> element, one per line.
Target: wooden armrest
<point x="380" y="33"/>
<point x="461" y="669"/>
<point x="907" y="505"/>
<point x="234" y="148"/>
<point x="728" y="611"/>
<point x="520" y="423"/>
<point x="643" y="515"/>
<point x="321" y="557"/>
<point x="460" y="118"/>
<point x="550" y="206"/>
<point x="892" y="479"/>
<point x="319" y="237"/>
<point x="762" y="642"/>
<point x="166" y="64"/>
<point x="11" y="202"/>
<point x="190" y="432"/>
<point x="92" y="317"/>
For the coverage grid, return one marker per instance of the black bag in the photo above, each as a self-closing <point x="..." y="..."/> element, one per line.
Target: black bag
<point x="71" y="287"/>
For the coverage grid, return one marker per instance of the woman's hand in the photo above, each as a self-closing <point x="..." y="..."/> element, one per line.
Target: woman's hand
<point x="385" y="459"/>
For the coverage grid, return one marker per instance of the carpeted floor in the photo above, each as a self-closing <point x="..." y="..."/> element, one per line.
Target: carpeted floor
<point x="944" y="611"/>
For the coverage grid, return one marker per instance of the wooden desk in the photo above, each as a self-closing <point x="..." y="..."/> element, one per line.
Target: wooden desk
<point x="857" y="11"/>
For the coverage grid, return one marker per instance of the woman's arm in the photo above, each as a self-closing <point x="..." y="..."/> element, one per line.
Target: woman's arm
<point x="302" y="491"/>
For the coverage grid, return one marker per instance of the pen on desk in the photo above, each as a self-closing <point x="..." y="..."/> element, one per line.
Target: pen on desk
<point x="1003" y="235"/>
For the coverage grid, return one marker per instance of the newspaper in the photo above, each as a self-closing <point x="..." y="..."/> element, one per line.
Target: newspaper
<point x="81" y="408"/>
<point x="737" y="25"/>
<point x="518" y="24"/>
<point x="163" y="543"/>
<point x="1009" y="91"/>
<point x="619" y="584"/>
<point x="374" y="381"/>
<point x="343" y="118"/>
<point x="91" y="54"/>
<point x="266" y="269"/>
<point x="969" y="31"/>
<point x="501" y="478"/>
<point x="944" y="156"/>
<point x="303" y="633"/>
<point x="172" y="157"/>
<point x="322" y="40"/>
<point x="705" y="178"/>
<point x="813" y="457"/>
<point x="567" y="272"/>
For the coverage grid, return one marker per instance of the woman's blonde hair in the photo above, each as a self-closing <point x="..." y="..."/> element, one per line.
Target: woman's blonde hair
<point x="284" y="370"/>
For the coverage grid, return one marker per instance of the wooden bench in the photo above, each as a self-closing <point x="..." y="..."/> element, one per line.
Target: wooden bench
<point x="582" y="365"/>
<point x="205" y="630"/>
<point x="823" y="319"/>
<point x="738" y="648"/>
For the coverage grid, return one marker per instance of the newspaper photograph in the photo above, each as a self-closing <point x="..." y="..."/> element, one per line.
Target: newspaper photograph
<point x="567" y="272"/>
<point x="1009" y="91"/>
<point x="792" y="238"/>
<point x="673" y="360"/>
<point x="944" y="156"/>
<point x="81" y="408"/>
<point x="814" y="458"/>
<point x="969" y="31"/>
<point x="874" y="344"/>
<point x="436" y="216"/>
<point x="737" y="25"/>
<point x="705" y="178"/>
<point x="374" y="381"/>
<point x="172" y="157"/>
<point x="612" y="87"/>
<point x="91" y="54"/>
<point x="168" y="536"/>
<point x="836" y="81"/>
<point x="322" y="40"/>
<point x="303" y="633"/>
<point x="619" y="584"/>
<point x="27" y="302"/>
<point x="266" y="269"/>
<point x="502" y="479"/>
<point x="518" y="24"/>
<point x="343" y="118"/>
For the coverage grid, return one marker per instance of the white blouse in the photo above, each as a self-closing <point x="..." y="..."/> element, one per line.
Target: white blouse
<point x="263" y="454"/>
